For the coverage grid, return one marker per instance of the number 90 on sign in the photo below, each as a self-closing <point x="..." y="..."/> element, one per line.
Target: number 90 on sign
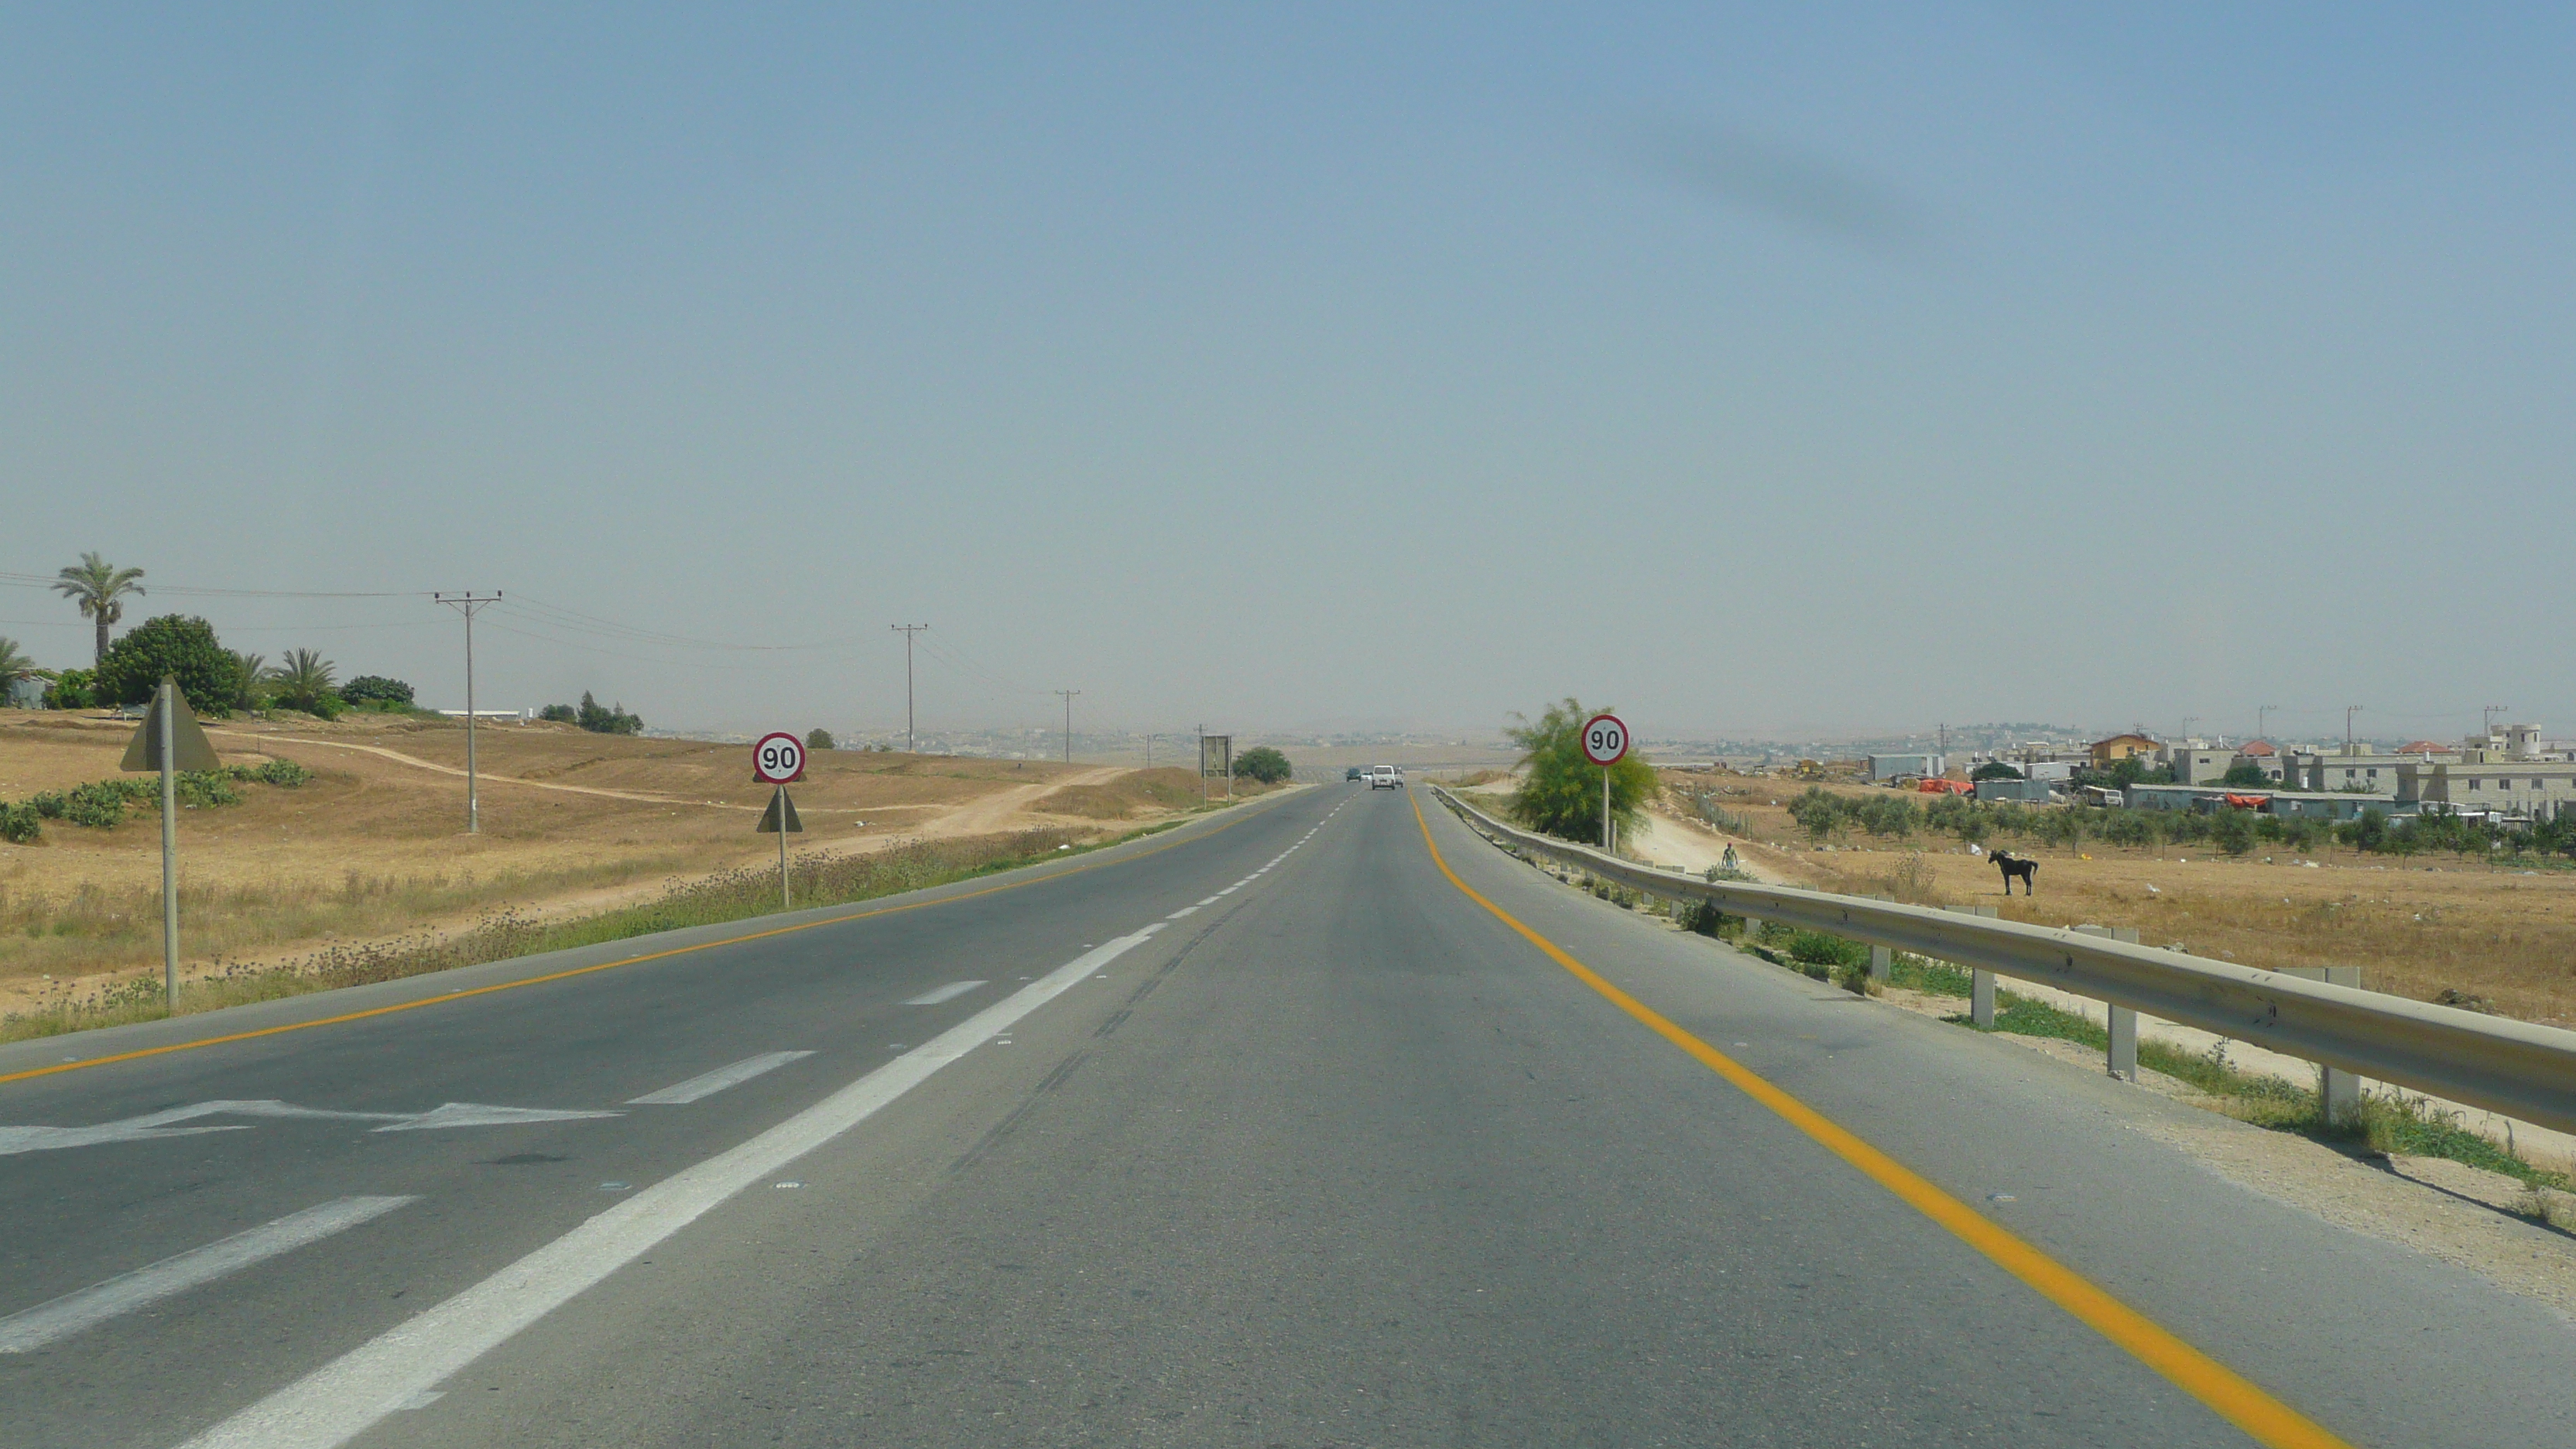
<point x="779" y="759"/>
<point x="1605" y="740"/>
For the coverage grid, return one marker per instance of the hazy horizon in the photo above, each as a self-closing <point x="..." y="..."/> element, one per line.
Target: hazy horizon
<point x="1763" y="374"/>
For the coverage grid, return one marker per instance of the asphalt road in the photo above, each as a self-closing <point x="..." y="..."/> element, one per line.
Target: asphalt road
<point x="1263" y="1132"/>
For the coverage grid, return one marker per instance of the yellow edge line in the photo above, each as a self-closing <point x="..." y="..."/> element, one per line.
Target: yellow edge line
<point x="471" y="993"/>
<point x="2267" y="1419"/>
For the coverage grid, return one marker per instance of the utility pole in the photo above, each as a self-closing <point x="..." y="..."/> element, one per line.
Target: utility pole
<point x="469" y="603"/>
<point x="907" y="631"/>
<point x="1068" y="720"/>
<point x="2349" y="711"/>
<point x="2187" y="722"/>
<point x="2260" y="711"/>
<point x="2486" y="729"/>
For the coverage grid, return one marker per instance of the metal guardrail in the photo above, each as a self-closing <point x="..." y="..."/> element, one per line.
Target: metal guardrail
<point x="2516" y="1068"/>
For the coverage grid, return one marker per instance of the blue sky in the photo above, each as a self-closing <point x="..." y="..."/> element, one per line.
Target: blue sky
<point x="1759" y="369"/>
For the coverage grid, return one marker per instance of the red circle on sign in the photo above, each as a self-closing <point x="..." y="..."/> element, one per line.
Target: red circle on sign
<point x="779" y="759"/>
<point x="1605" y="740"/>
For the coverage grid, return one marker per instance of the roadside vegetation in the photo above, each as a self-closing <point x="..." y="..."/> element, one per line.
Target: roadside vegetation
<point x="736" y="895"/>
<point x="1560" y="791"/>
<point x="1264" y="764"/>
<point x="103" y="804"/>
<point x="1894" y="815"/>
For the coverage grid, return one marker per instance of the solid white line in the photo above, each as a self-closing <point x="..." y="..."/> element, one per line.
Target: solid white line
<point x="949" y="992"/>
<point x="73" y="1312"/>
<point x="707" y="1084"/>
<point x="340" y="1400"/>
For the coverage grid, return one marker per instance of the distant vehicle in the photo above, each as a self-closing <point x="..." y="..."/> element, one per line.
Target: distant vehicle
<point x="1354" y="773"/>
<point x="1386" y="777"/>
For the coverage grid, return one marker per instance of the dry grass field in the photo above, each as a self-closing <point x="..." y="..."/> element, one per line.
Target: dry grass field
<point x="2421" y="928"/>
<point x="374" y="845"/>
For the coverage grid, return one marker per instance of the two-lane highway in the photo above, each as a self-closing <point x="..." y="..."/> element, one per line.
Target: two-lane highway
<point x="1317" y="1123"/>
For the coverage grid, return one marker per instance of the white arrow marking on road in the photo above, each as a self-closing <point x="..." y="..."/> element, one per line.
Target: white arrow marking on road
<point x="73" y="1312"/>
<point x="475" y="1114"/>
<point x="949" y="992"/>
<point x="157" y="1124"/>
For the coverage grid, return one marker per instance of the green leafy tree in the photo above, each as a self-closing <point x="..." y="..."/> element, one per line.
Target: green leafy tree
<point x="374" y="691"/>
<point x="1560" y="793"/>
<point x="2245" y="775"/>
<point x="99" y="588"/>
<point x="1994" y="770"/>
<point x="2232" y="830"/>
<point x="2368" y="834"/>
<point x="1264" y="764"/>
<point x="1820" y="812"/>
<point x="72" y="689"/>
<point x="602" y="719"/>
<point x="304" y="682"/>
<point x="561" y="713"/>
<point x="819" y="739"/>
<point x="209" y="674"/>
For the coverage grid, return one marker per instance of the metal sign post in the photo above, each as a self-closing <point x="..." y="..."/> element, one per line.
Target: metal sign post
<point x="779" y="760"/>
<point x="169" y="741"/>
<point x="1605" y="743"/>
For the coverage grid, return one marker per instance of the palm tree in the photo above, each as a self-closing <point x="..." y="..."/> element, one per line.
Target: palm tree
<point x="14" y="666"/>
<point x="303" y="679"/>
<point x="98" y="588"/>
<point x="253" y="669"/>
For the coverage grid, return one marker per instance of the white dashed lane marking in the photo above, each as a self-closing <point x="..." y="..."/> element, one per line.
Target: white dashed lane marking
<point x="47" y="1322"/>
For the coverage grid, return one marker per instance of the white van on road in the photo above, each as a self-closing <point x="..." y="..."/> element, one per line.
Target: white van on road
<point x="1386" y="777"/>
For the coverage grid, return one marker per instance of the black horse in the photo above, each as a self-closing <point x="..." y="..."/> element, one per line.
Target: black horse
<point x="2013" y="865"/>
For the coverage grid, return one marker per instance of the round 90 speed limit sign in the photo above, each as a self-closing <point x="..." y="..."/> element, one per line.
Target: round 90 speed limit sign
<point x="1605" y="740"/>
<point x="779" y="759"/>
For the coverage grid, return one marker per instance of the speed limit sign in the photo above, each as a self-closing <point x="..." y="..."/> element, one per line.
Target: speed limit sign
<point x="1605" y="740"/>
<point x="779" y="759"/>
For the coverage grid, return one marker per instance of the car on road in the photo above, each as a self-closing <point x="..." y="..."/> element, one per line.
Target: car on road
<point x="1355" y="773"/>
<point x="1385" y="777"/>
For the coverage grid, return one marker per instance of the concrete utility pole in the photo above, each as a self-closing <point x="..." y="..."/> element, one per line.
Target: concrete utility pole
<point x="2486" y="729"/>
<point x="907" y="631"/>
<point x="2187" y="722"/>
<point x="1068" y="720"/>
<point x="468" y="603"/>
<point x="2349" y="711"/>
<point x="169" y="743"/>
<point x="2260" y="711"/>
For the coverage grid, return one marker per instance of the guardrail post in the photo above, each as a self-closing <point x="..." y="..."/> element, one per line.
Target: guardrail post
<point x="2123" y="1053"/>
<point x="1882" y="961"/>
<point x="1981" y="982"/>
<point x="2338" y="1091"/>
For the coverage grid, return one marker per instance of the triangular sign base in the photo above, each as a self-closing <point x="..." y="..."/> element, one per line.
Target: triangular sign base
<point x="769" y="817"/>
<point x="191" y="748"/>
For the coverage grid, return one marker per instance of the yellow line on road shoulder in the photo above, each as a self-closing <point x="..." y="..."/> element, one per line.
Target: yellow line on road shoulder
<point x="2267" y="1419"/>
<point x="472" y="992"/>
